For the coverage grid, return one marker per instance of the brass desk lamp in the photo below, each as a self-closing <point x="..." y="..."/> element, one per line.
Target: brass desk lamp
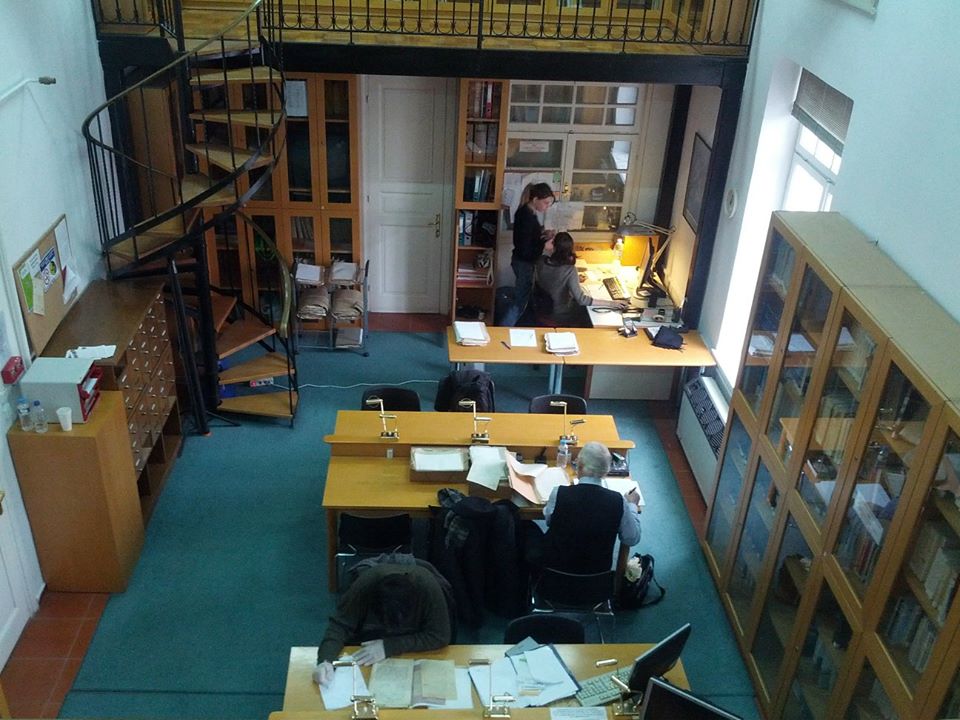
<point x="497" y="707"/>
<point x="385" y="433"/>
<point x="364" y="706"/>
<point x="477" y="436"/>
<point x="623" y="708"/>
<point x="569" y="437"/>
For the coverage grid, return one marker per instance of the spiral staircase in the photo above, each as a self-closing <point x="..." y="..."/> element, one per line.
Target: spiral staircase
<point x="175" y="155"/>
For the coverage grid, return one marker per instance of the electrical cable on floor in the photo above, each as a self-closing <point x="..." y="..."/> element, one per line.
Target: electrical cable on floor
<point x="355" y="385"/>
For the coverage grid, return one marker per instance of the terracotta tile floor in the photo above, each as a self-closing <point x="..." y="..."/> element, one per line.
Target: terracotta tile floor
<point x="47" y="657"/>
<point x="45" y="661"/>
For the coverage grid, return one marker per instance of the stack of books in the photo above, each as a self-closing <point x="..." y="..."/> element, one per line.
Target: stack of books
<point x="470" y="333"/>
<point x="561" y="343"/>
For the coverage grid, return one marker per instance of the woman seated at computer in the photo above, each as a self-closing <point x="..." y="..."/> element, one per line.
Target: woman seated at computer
<point x="559" y="299"/>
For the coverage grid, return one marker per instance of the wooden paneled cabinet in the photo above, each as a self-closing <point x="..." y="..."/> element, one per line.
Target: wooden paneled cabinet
<point x="481" y="140"/>
<point x="310" y="205"/>
<point x="834" y="530"/>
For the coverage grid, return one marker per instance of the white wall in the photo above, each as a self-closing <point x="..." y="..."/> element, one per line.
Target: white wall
<point x="901" y="162"/>
<point x="44" y="174"/>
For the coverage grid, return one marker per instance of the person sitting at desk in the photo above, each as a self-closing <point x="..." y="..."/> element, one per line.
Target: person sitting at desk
<point x="389" y="609"/>
<point x="556" y="278"/>
<point x="584" y="520"/>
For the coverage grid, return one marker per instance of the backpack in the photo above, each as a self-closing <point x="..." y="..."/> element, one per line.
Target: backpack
<point x="476" y="385"/>
<point x="633" y="593"/>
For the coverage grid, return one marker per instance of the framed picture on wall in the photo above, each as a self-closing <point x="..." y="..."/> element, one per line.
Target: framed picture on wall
<point x="696" y="181"/>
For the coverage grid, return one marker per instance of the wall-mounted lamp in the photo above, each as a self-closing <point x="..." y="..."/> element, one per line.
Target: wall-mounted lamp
<point x="477" y="436"/>
<point x="42" y="80"/>
<point x="385" y="433"/>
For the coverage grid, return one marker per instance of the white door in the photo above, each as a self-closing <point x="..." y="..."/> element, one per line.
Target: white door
<point x="408" y="133"/>
<point x="16" y="607"/>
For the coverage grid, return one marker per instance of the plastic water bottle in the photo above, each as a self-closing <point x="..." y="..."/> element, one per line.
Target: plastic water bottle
<point x="39" y="417"/>
<point x="563" y="454"/>
<point x="23" y="413"/>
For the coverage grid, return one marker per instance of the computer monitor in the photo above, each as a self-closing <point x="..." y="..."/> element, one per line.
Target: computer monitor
<point x="658" y="659"/>
<point x="663" y="701"/>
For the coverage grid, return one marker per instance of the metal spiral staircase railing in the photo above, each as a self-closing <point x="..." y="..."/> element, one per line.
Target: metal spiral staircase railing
<point x="171" y="157"/>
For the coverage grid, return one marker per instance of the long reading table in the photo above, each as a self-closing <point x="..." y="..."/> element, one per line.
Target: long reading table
<point x="301" y="698"/>
<point x="371" y="475"/>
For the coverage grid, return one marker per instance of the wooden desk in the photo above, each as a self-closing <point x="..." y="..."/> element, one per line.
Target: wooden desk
<point x="301" y="698"/>
<point x="357" y="432"/>
<point x="361" y="478"/>
<point x="499" y="351"/>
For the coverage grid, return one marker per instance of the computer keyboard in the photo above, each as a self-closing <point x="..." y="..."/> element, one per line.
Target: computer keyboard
<point x="614" y="287"/>
<point x="598" y="690"/>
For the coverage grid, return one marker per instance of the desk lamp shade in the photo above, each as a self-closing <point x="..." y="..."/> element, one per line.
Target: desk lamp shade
<point x="637" y="251"/>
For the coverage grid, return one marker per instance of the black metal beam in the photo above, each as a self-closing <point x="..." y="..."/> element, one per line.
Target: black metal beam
<point x="672" y="154"/>
<point x="416" y="60"/>
<point x="725" y="131"/>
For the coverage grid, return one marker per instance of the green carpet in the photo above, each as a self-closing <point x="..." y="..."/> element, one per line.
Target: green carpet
<point x="233" y="570"/>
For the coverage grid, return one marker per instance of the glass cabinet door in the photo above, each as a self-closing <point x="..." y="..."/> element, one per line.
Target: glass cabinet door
<point x="598" y="178"/>
<point x="794" y="559"/>
<point x="724" y="510"/>
<point x="303" y="239"/>
<point x="258" y="97"/>
<point x="753" y="542"/>
<point x="849" y="366"/>
<point x="265" y="270"/>
<point x="775" y="279"/>
<point x="822" y="656"/>
<point x="951" y="705"/>
<point x="870" y="700"/>
<point x="880" y="478"/>
<point x="339" y="232"/>
<point x="926" y="583"/>
<point x="806" y="334"/>
<point x="299" y="158"/>
<point x="336" y="134"/>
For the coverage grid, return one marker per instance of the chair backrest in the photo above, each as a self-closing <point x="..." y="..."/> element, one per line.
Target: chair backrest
<point x="394" y="398"/>
<point x="476" y="385"/>
<point x="370" y="534"/>
<point x="545" y="628"/>
<point x="576" y="405"/>
<point x="560" y="590"/>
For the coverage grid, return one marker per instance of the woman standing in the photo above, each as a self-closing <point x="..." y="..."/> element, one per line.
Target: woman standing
<point x="529" y="239"/>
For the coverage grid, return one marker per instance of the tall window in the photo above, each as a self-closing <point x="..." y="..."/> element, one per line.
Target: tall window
<point x="824" y="115"/>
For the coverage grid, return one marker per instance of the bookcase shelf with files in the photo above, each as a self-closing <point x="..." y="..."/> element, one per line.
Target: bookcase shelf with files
<point x="482" y="127"/>
<point x="310" y="205"/>
<point x="834" y="531"/>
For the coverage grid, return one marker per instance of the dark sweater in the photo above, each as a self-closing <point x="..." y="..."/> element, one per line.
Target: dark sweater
<point x="528" y="239"/>
<point x="583" y="528"/>
<point x="355" y="621"/>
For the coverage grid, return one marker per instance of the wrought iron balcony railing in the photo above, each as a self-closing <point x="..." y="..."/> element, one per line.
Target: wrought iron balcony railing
<point x="703" y="26"/>
<point x="161" y="15"/>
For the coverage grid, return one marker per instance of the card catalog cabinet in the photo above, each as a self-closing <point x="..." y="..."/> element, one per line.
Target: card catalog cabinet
<point x="834" y="531"/>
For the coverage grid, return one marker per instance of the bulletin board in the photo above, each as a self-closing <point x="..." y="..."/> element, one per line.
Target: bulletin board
<point x="40" y="277"/>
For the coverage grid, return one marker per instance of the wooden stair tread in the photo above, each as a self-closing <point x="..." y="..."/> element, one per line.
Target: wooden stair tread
<point x="259" y="73"/>
<point x="241" y="334"/>
<point x="222" y="307"/>
<point x="262" y="118"/>
<point x="147" y="244"/>
<point x="192" y="185"/>
<point x="215" y="49"/>
<point x="265" y="366"/>
<point x="267" y="404"/>
<point x="227" y="158"/>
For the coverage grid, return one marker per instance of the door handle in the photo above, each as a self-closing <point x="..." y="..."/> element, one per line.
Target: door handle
<point x="436" y="225"/>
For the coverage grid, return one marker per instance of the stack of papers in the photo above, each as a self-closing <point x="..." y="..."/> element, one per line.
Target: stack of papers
<point x="761" y="345"/>
<point x="308" y="274"/>
<point x="344" y="272"/>
<point x="439" y="459"/>
<point x="535" y="678"/>
<point x="488" y="466"/>
<point x="470" y="333"/>
<point x="561" y="343"/>
<point x="534" y="481"/>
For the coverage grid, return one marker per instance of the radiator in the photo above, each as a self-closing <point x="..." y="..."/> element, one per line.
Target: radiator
<point x="703" y="413"/>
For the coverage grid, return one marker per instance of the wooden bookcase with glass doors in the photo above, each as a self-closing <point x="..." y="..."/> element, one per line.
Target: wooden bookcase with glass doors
<point x="310" y="204"/>
<point x="481" y="136"/>
<point x="834" y="531"/>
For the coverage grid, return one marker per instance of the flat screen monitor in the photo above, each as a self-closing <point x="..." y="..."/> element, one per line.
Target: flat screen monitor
<point x="663" y="701"/>
<point x="658" y="659"/>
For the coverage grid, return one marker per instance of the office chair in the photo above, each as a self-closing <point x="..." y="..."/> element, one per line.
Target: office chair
<point x="556" y="590"/>
<point x="359" y="537"/>
<point x="576" y="405"/>
<point x="394" y="398"/>
<point x="545" y="628"/>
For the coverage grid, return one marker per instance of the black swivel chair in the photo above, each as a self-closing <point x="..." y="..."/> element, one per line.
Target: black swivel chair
<point x="556" y="590"/>
<point x="545" y="628"/>
<point x="359" y="537"/>
<point x="394" y="399"/>
<point x="576" y="405"/>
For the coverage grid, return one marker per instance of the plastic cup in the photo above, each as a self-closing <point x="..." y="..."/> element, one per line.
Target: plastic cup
<point x="65" y="416"/>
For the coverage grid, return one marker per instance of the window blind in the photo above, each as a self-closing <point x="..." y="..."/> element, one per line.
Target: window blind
<point x="823" y="110"/>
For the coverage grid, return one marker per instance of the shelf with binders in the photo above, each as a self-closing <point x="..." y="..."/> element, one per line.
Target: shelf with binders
<point x="723" y="514"/>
